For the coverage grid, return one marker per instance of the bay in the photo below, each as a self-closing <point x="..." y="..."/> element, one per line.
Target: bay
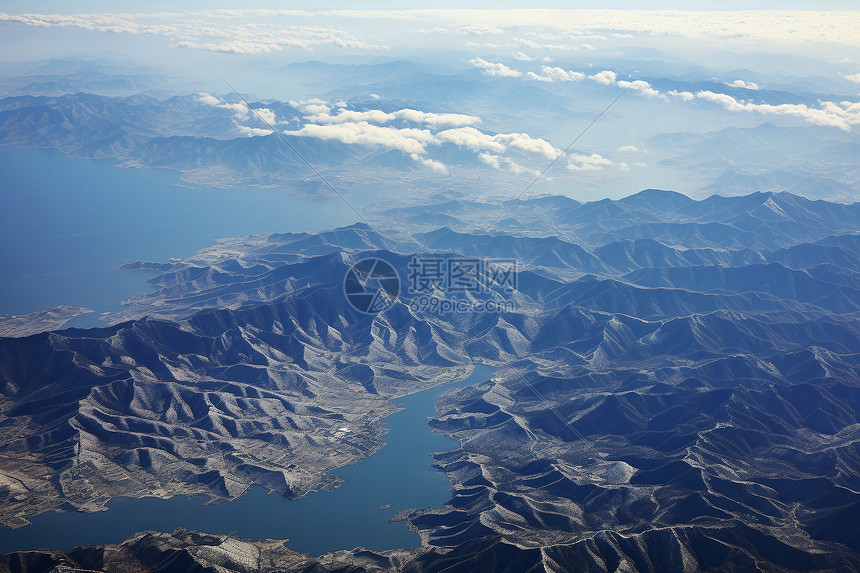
<point x="67" y="222"/>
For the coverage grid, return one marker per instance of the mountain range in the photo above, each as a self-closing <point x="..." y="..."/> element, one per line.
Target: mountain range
<point x="676" y="388"/>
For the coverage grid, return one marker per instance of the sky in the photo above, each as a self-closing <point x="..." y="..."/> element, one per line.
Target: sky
<point x="65" y="7"/>
<point x="689" y="68"/>
<point x="264" y="31"/>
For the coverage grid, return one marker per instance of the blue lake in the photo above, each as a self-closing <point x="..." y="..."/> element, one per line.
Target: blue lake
<point x="401" y="474"/>
<point x="66" y="223"/>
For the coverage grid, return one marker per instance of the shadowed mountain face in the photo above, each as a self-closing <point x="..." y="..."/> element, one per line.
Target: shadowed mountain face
<point x="678" y="388"/>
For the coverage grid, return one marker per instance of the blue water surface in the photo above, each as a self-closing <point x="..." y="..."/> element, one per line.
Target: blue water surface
<point x="401" y="474"/>
<point x="66" y="223"/>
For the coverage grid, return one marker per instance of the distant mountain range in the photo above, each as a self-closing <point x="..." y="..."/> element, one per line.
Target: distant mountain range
<point x="209" y="146"/>
<point x="760" y="221"/>
<point x="71" y="75"/>
<point x="678" y="386"/>
<point x="815" y="162"/>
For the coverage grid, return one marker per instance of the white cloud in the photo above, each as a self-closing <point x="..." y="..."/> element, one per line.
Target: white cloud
<point x="763" y="27"/>
<point x="436" y="119"/>
<point x="234" y="47"/>
<point x="539" y="78"/>
<point x="640" y="86"/>
<point x="350" y="116"/>
<point x="95" y="22"/>
<point x="490" y="159"/>
<point x="605" y="77"/>
<point x="311" y="106"/>
<point x="495" y="69"/>
<point x="523" y="57"/>
<point x="685" y="96"/>
<point x="744" y="85"/>
<point x="852" y="78"/>
<point x="627" y="149"/>
<point x="266" y="115"/>
<point x="243" y="29"/>
<point x="515" y="167"/>
<point x="551" y="74"/>
<point x="471" y="138"/>
<point x="207" y="99"/>
<point x="232" y="31"/>
<point x="240" y="110"/>
<point x="842" y="115"/>
<point x="436" y="166"/>
<point x="480" y="30"/>
<point x="581" y="36"/>
<point x="437" y="30"/>
<point x="406" y="114"/>
<point x="407" y="140"/>
<point x="361" y="128"/>
<point x="316" y="108"/>
<point x="253" y="131"/>
<point x="415" y="142"/>
<point x="593" y="162"/>
<point x="525" y="43"/>
<point x="497" y="162"/>
<point x="527" y="143"/>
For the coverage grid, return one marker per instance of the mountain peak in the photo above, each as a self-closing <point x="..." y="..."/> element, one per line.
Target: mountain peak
<point x="357" y="225"/>
<point x="656" y="199"/>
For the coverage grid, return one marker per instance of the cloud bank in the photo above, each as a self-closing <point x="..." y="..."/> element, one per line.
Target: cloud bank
<point x="235" y="32"/>
<point x="495" y="69"/>
<point x="842" y="115"/>
<point x="413" y="132"/>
